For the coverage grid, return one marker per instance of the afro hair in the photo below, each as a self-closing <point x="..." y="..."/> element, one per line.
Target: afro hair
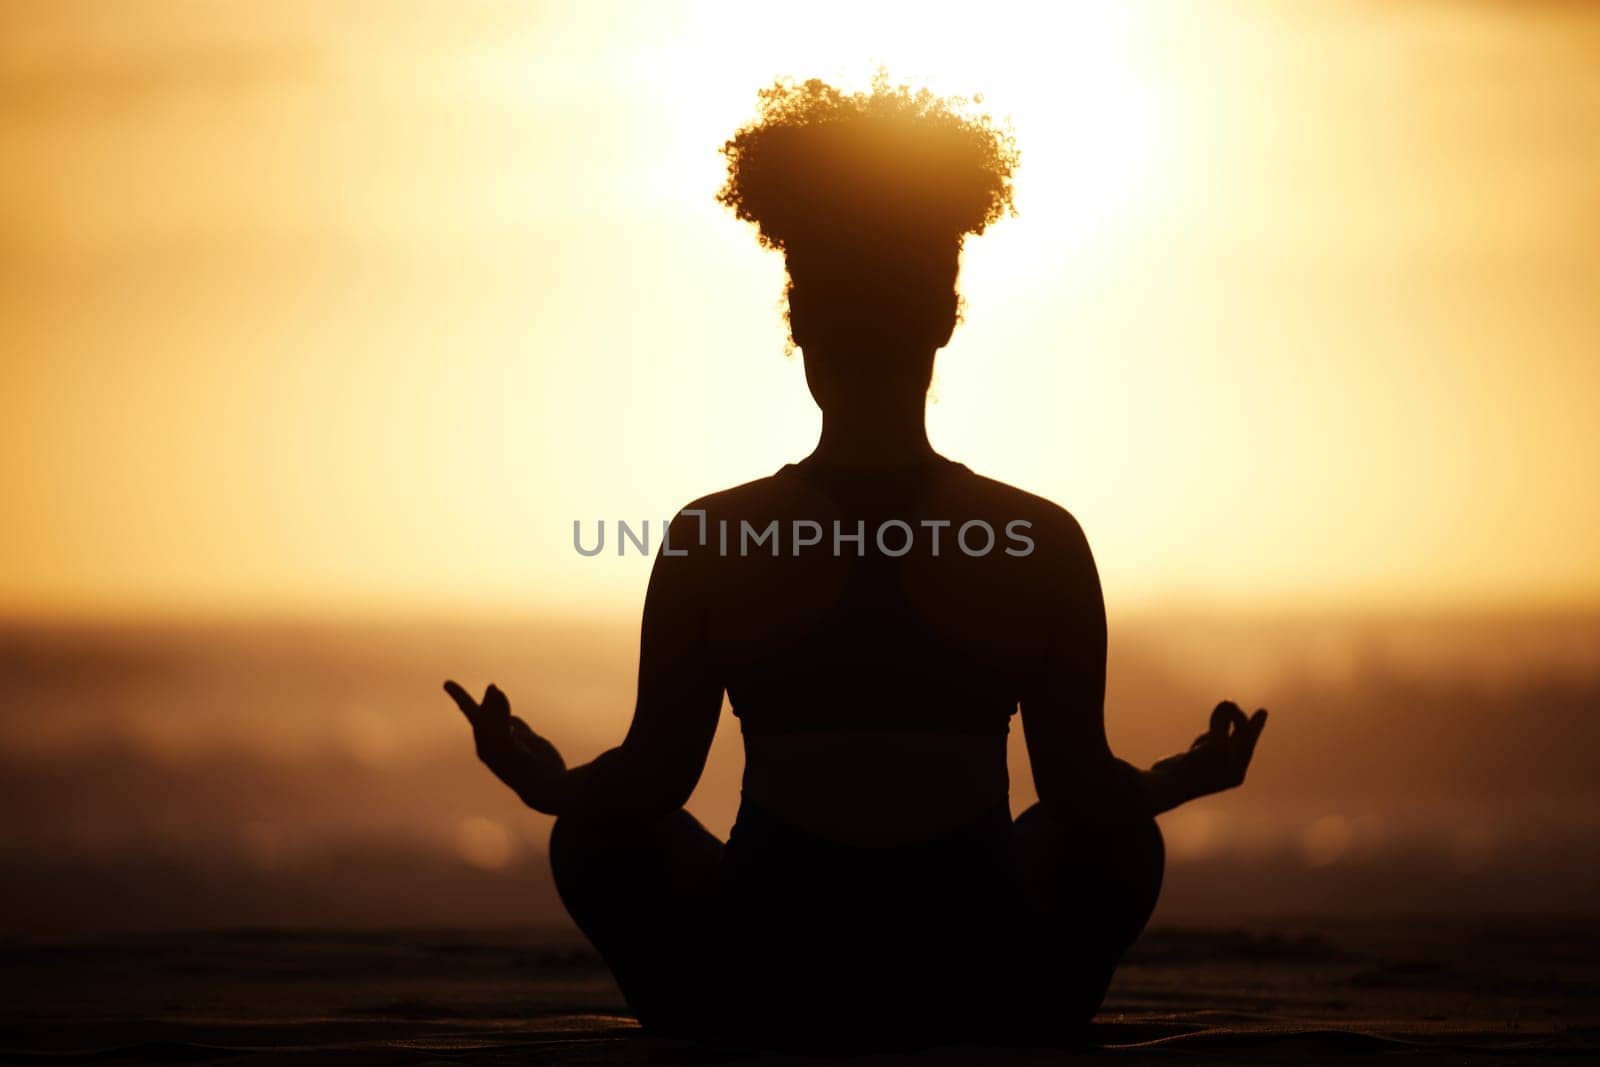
<point x="821" y="166"/>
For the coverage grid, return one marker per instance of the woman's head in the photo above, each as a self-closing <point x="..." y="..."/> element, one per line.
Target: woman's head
<point x="869" y="196"/>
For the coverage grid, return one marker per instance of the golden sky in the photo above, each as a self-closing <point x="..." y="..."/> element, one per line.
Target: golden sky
<point x="320" y="307"/>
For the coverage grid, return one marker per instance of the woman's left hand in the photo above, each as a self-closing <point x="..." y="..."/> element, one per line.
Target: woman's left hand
<point x="1219" y="758"/>
<point x="520" y="758"/>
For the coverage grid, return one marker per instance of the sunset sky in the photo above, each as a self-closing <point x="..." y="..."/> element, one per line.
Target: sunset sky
<point x="341" y="308"/>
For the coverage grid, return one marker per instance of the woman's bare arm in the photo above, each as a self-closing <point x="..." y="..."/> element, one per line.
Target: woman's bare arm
<point x="1063" y="713"/>
<point x="680" y="697"/>
<point x="1063" y="710"/>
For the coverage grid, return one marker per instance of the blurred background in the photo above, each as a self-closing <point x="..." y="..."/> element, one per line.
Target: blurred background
<point x="320" y="325"/>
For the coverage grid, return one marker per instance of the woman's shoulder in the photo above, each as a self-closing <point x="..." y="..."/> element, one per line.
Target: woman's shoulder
<point x="745" y="499"/>
<point x="1000" y="501"/>
<point x="959" y="495"/>
<point x="753" y="503"/>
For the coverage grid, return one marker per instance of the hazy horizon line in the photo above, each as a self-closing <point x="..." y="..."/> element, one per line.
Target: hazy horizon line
<point x="465" y="612"/>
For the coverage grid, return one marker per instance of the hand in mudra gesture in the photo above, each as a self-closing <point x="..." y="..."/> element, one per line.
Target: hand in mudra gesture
<point x="520" y="758"/>
<point x="1219" y="757"/>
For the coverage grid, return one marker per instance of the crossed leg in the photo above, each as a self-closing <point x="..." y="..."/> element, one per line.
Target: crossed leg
<point x="646" y="895"/>
<point x="1089" y="890"/>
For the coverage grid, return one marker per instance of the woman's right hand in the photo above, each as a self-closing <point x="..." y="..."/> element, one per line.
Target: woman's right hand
<point x="520" y="758"/>
<point x="1219" y="758"/>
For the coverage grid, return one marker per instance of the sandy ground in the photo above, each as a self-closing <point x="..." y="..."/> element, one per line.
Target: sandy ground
<point x="1492" y="991"/>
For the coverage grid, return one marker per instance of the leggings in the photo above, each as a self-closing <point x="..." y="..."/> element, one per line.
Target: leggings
<point x="1003" y="931"/>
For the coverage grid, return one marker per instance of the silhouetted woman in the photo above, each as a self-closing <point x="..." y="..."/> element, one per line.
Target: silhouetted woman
<point x="875" y="614"/>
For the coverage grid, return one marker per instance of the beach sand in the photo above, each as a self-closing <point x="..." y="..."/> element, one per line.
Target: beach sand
<point x="1484" y="992"/>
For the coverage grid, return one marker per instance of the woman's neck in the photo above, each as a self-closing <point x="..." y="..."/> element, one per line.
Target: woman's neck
<point x="891" y="437"/>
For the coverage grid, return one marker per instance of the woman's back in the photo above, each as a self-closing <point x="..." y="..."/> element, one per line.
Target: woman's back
<point x="891" y="618"/>
<point x="874" y="645"/>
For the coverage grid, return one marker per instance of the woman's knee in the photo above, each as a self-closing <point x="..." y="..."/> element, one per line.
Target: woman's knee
<point x="649" y="847"/>
<point x="598" y="869"/>
<point x="1126" y="855"/>
<point x="1147" y="847"/>
<point x="581" y="849"/>
<point x="569" y="843"/>
<point x="1148" y="858"/>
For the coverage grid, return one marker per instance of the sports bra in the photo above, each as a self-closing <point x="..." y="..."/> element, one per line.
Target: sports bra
<point x="872" y="661"/>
